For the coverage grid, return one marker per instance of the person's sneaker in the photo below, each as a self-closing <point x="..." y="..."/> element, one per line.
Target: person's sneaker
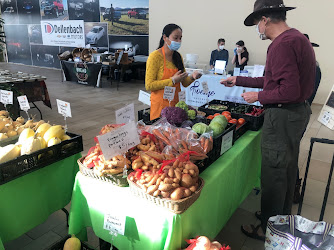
<point x="296" y="196"/>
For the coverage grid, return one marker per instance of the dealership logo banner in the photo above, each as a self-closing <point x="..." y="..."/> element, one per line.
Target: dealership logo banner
<point x="63" y="33"/>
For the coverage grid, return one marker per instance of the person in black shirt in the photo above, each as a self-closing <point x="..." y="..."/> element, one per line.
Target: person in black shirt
<point x="241" y="55"/>
<point x="219" y="54"/>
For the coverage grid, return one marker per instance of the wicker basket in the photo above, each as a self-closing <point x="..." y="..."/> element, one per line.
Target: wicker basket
<point x="87" y="54"/>
<point x="177" y="207"/>
<point x="77" y="52"/>
<point x="116" y="180"/>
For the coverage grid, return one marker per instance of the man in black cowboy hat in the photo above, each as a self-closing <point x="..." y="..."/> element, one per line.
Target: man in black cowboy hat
<point x="287" y="84"/>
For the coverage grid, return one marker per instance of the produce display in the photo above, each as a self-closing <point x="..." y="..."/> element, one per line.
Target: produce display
<point x="225" y="117"/>
<point x="218" y="107"/>
<point x="72" y="243"/>
<point x="203" y="243"/>
<point x="245" y="109"/>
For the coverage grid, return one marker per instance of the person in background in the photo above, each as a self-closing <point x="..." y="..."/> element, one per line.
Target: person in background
<point x="297" y="196"/>
<point x="219" y="54"/>
<point x="112" y="13"/>
<point x="165" y="67"/>
<point x="241" y="55"/>
<point x="287" y="84"/>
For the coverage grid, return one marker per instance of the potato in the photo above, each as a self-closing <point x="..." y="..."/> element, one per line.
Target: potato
<point x="175" y="185"/>
<point x="158" y="181"/>
<point x="178" y="174"/>
<point x="185" y="171"/>
<point x="193" y="189"/>
<point x="157" y="193"/>
<point x="192" y="172"/>
<point x="132" y="178"/>
<point x="176" y="163"/>
<point x="187" y="192"/>
<point x="165" y="187"/>
<point x="165" y="194"/>
<point x="186" y="181"/>
<point x="176" y="180"/>
<point x="152" y="189"/>
<point x="168" y="181"/>
<point x="171" y="172"/>
<point x="177" y="194"/>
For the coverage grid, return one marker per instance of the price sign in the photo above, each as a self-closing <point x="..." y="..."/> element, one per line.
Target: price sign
<point x="236" y="72"/>
<point x="205" y="87"/>
<point x="126" y="114"/>
<point x="119" y="141"/>
<point x="23" y="101"/>
<point x="114" y="223"/>
<point x="6" y="97"/>
<point x="182" y="96"/>
<point x="169" y="93"/>
<point x="64" y="108"/>
<point x="227" y="141"/>
<point x="326" y="117"/>
<point x="144" y="97"/>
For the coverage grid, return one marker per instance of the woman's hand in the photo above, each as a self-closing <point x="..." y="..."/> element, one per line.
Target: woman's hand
<point x="179" y="76"/>
<point x="196" y="75"/>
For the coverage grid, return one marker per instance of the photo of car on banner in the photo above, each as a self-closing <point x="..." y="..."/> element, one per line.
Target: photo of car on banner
<point x="54" y="10"/>
<point x="35" y="34"/>
<point x="87" y="10"/>
<point x="29" y="11"/>
<point x="125" y="17"/>
<point x="96" y="36"/>
<point x="134" y="45"/>
<point x="9" y="11"/>
<point x="45" y="56"/>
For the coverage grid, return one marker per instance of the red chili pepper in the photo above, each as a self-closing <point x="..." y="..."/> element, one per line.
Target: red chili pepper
<point x="138" y="173"/>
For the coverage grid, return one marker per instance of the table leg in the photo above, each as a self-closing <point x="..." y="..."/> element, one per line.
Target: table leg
<point x="66" y="212"/>
<point x="38" y="110"/>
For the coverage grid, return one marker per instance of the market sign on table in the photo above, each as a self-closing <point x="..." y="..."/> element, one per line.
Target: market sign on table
<point x="182" y="96"/>
<point x="6" y="97"/>
<point x="227" y="141"/>
<point x="169" y="93"/>
<point x="126" y="114"/>
<point x="63" y="33"/>
<point x="144" y="97"/>
<point x="64" y="108"/>
<point x="326" y="116"/>
<point x="119" y="141"/>
<point x="23" y="101"/>
<point x="114" y="223"/>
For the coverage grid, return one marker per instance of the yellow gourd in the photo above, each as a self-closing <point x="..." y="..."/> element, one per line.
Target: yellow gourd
<point x="3" y="136"/>
<point x="29" y="124"/>
<point x="65" y="137"/>
<point x="53" y="141"/>
<point x="72" y="243"/>
<point x="43" y="142"/>
<point x="9" y="152"/>
<point x="54" y="131"/>
<point x="20" y="119"/>
<point x="32" y="144"/>
<point x="42" y="129"/>
<point x="11" y="133"/>
<point x="26" y="133"/>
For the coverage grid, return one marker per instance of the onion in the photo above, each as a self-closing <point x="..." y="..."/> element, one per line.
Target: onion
<point x="215" y="245"/>
<point x="203" y="243"/>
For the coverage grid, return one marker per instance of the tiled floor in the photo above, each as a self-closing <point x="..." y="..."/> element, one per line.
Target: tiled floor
<point x="94" y="107"/>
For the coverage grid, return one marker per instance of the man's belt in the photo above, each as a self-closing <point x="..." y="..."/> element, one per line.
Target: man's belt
<point x="284" y="105"/>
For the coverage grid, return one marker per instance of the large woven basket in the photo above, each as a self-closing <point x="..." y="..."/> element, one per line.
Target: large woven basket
<point x="177" y="207"/>
<point x="77" y="52"/>
<point x="117" y="180"/>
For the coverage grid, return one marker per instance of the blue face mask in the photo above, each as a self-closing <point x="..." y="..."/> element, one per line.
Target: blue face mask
<point x="174" y="46"/>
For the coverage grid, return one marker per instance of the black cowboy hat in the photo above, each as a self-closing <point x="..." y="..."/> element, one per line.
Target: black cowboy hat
<point x="313" y="44"/>
<point x="262" y="6"/>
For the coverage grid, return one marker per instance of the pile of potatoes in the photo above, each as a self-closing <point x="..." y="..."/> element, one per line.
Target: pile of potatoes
<point x="175" y="181"/>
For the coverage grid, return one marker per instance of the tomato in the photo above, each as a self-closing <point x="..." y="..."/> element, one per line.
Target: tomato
<point x="228" y="117"/>
<point x="210" y="117"/>
<point x="241" y="121"/>
<point x="216" y="114"/>
<point x="226" y="113"/>
<point x="234" y="121"/>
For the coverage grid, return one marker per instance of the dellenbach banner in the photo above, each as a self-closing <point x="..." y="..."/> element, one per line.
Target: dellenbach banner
<point x="84" y="73"/>
<point x="196" y="96"/>
<point x="63" y="33"/>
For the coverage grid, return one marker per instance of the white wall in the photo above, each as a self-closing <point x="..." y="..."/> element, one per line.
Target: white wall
<point x="203" y="22"/>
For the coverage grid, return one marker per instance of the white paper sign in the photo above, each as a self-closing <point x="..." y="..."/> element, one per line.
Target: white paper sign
<point x="258" y="71"/>
<point x="205" y="87"/>
<point x="220" y="66"/>
<point x="6" y="97"/>
<point x="144" y="97"/>
<point x="119" y="141"/>
<point x="126" y="114"/>
<point x="182" y="96"/>
<point x="227" y="142"/>
<point x="169" y="93"/>
<point x="63" y="33"/>
<point x="64" y="108"/>
<point x="115" y="223"/>
<point x="326" y="117"/>
<point x="236" y="72"/>
<point x="23" y="101"/>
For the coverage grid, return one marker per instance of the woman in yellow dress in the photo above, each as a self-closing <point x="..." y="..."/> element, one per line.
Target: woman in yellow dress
<point x="165" y="68"/>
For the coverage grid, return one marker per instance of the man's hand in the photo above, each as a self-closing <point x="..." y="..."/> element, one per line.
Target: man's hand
<point x="251" y="97"/>
<point x="229" y="82"/>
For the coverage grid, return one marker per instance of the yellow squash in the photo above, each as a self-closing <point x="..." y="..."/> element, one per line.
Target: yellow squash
<point x="53" y="141"/>
<point x="32" y="144"/>
<point x="72" y="243"/>
<point x="42" y="129"/>
<point x="54" y="131"/>
<point x="25" y="134"/>
<point x="9" y="152"/>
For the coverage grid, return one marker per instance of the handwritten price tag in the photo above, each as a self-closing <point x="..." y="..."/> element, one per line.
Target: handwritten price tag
<point x="169" y="93"/>
<point x="64" y="108"/>
<point x="182" y="96"/>
<point x="144" y="97"/>
<point x="6" y="97"/>
<point x="126" y="114"/>
<point x="119" y="141"/>
<point x="114" y="223"/>
<point x="23" y="101"/>
<point x="227" y="142"/>
<point x="326" y="117"/>
<point x="205" y="87"/>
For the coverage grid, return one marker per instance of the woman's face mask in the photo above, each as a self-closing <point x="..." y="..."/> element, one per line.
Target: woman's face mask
<point x="174" y="46"/>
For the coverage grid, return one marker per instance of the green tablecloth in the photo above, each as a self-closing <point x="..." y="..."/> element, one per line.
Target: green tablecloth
<point x="29" y="200"/>
<point x="228" y="181"/>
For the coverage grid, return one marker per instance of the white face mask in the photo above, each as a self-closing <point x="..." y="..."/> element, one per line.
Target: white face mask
<point x="261" y="35"/>
<point x="221" y="47"/>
